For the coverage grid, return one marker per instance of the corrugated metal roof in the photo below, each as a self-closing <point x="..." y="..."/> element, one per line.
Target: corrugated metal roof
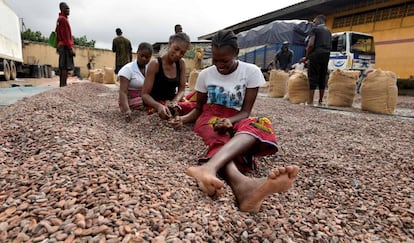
<point x="306" y="10"/>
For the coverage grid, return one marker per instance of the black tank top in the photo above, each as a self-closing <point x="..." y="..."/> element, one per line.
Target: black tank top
<point x="165" y="88"/>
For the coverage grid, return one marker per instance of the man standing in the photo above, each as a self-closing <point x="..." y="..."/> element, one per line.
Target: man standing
<point x="178" y="28"/>
<point x="123" y="50"/>
<point x="64" y="44"/>
<point x="283" y="58"/>
<point x="317" y="53"/>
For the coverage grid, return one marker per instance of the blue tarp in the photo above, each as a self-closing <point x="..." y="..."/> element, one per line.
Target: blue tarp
<point x="276" y="32"/>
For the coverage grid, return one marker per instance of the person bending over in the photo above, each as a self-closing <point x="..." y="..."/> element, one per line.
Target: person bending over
<point x="226" y="93"/>
<point x="164" y="84"/>
<point x="131" y="78"/>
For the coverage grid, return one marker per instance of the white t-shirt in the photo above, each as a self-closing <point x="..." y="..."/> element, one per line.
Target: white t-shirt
<point x="131" y="72"/>
<point x="229" y="90"/>
<point x="299" y="66"/>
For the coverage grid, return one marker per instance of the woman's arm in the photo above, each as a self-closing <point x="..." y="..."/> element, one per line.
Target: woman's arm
<point x="123" y="95"/>
<point x="224" y="125"/>
<point x="181" y="86"/>
<point x="248" y="102"/>
<point x="193" y="114"/>
<point x="162" y="110"/>
<point x="149" y="84"/>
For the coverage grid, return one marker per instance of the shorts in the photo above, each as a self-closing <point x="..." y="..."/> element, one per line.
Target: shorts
<point x="318" y="69"/>
<point x="65" y="58"/>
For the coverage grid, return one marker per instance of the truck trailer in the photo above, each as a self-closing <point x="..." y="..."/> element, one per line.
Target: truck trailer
<point x="11" y="53"/>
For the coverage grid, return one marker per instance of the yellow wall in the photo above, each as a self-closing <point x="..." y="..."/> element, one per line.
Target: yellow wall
<point x="42" y="54"/>
<point x="394" y="40"/>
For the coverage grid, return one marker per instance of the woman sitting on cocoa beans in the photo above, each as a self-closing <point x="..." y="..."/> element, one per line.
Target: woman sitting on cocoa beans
<point x="226" y="93"/>
<point x="164" y="84"/>
<point x="131" y="78"/>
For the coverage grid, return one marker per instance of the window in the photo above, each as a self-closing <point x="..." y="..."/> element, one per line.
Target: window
<point x="392" y="12"/>
<point x="362" y="44"/>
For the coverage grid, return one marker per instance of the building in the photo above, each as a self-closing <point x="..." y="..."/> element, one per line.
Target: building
<point x="160" y="48"/>
<point x="391" y="22"/>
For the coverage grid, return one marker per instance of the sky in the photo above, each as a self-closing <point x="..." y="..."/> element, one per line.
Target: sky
<point x="151" y="21"/>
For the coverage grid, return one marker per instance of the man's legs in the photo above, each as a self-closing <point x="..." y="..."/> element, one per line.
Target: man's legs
<point x="311" y="95"/>
<point x="321" y="94"/>
<point x="313" y="77"/>
<point x="323" y="67"/>
<point x="63" y="76"/>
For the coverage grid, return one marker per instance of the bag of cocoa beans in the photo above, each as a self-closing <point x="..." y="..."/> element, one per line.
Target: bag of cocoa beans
<point x="98" y="76"/>
<point x="379" y="92"/>
<point x="342" y="85"/>
<point x="192" y="79"/>
<point x="298" y="87"/>
<point x="277" y="83"/>
<point x="109" y="76"/>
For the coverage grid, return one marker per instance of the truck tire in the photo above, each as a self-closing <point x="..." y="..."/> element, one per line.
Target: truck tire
<point x="13" y="71"/>
<point x="6" y="70"/>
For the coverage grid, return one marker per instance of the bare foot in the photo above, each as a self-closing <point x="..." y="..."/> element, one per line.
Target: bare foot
<point x="208" y="182"/>
<point x="278" y="181"/>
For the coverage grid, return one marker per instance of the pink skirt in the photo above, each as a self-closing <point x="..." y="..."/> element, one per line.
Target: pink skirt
<point x="135" y="99"/>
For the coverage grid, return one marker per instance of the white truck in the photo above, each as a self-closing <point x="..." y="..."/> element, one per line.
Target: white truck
<point x="11" y="53"/>
<point x="352" y="51"/>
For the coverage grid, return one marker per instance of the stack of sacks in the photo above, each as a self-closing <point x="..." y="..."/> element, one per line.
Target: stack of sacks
<point x="109" y="76"/>
<point x="277" y="83"/>
<point x="342" y="85"/>
<point x="298" y="88"/>
<point x="193" y="79"/>
<point x="379" y="92"/>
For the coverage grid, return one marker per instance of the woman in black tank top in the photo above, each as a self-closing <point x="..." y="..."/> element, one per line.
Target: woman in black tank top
<point x="165" y="78"/>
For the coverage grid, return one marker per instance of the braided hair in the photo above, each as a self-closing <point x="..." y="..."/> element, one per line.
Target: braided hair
<point x="225" y="38"/>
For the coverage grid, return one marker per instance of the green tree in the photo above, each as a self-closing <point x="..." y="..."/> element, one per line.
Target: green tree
<point x="83" y="41"/>
<point x="37" y="36"/>
<point x="33" y="36"/>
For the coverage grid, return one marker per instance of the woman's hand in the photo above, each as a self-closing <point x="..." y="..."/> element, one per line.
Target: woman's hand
<point x="128" y="117"/>
<point x="223" y="125"/>
<point x="176" y="122"/>
<point x="174" y="108"/>
<point x="163" y="112"/>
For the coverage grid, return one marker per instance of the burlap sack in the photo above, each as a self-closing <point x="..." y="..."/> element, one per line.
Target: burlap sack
<point x="98" y="76"/>
<point x="277" y="83"/>
<point x="109" y="76"/>
<point x="298" y="88"/>
<point x="342" y="85"/>
<point x="379" y="92"/>
<point x="92" y="75"/>
<point x="193" y="78"/>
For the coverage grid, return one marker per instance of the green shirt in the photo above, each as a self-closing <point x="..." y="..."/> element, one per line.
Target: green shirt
<point x="122" y="48"/>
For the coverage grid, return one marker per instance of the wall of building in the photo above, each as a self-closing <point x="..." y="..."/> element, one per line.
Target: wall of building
<point x="35" y="53"/>
<point x="189" y="56"/>
<point x="43" y="54"/>
<point x="392" y="25"/>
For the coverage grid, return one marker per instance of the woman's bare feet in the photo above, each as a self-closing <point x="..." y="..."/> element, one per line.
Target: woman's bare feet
<point x="250" y="197"/>
<point x="208" y="182"/>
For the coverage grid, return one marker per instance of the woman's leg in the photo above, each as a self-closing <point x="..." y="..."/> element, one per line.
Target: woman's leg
<point x="250" y="192"/>
<point x="206" y="174"/>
